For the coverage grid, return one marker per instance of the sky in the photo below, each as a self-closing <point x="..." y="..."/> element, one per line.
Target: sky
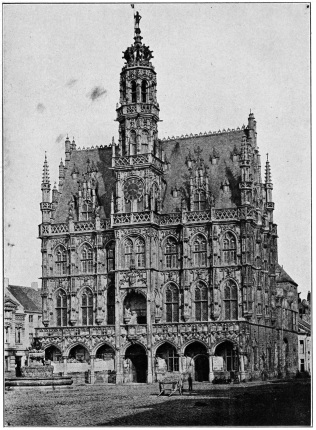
<point x="214" y="63"/>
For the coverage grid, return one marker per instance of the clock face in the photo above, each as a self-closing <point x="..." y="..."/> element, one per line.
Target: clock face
<point x="133" y="189"/>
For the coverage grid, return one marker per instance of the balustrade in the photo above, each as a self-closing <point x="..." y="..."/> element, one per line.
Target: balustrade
<point x="63" y="332"/>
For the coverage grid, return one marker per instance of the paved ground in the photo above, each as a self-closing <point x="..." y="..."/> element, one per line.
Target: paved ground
<point x="138" y="405"/>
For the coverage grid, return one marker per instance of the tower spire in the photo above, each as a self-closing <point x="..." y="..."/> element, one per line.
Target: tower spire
<point x="268" y="179"/>
<point x="45" y="179"/>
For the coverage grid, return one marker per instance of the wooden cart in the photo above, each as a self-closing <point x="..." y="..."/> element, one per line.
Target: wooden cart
<point x="172" y="384"/>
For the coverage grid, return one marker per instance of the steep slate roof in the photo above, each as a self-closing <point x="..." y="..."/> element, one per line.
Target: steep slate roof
<point x="225" y="144"/>
<point x="29" y="298"/>
<point x="282" y="276"/>
<point x="101" y="157"/>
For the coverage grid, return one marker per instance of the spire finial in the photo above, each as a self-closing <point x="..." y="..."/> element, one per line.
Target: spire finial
<point x="45" y="179"/>
<point x="267" y="156"/>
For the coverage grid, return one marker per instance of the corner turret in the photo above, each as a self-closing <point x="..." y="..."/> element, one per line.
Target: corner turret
<point x="45" y="205"/>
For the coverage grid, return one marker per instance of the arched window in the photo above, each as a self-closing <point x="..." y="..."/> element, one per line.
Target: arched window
<point x="144" y="91"/>
<point x="171" y="253"/>
<point x="87" y="307"/>
<point x="86" y="213"/>
<point x="200" y="298"/>
<point x="124" y="90"/>
<point x="128" y="252"/>
<point x="229" y="249"/>
<point x="199" y="201"/>
<point x="140" y="253"/>
<point x="199" y="251"/>
<point x="144" y="142"/>
<point x="134" y="92"/>
<point x="87" y="259"/>
<point x="110" y="256"/>
<point x="61" y="261"/>
<point x="123" y="137"/>
<point x="133" y="142"/>
<point x="111" y="304"/>
<point x="172" y="304"/>
<point x="61" y="308"/>
<point x="230" y="301"/>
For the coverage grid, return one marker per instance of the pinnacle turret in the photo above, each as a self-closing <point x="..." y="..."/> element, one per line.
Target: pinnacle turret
<point x="45" y="180"/>
<point x="268" y="179"/>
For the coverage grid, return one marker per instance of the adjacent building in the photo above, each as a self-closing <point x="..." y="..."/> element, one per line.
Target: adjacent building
<point x="304" y="335"/>
<point x="162" y="255"/>
<point x="22" y="315"/>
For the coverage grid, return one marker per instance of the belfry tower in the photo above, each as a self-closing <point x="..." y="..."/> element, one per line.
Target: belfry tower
<point x="139" y="150"/>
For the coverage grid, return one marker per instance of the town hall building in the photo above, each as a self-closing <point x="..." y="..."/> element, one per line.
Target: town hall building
<point x="161" y="256"/>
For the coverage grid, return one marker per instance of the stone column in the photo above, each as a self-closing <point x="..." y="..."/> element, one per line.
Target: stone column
<point x="149" y="367"/>
<point x="92" y="376"/>
<point x="118" y="367"/>
<point x="181" y="367"/>
<point x="242" y="367"/>
<point x="65" y="365"/>
<point x="211" y="373"/>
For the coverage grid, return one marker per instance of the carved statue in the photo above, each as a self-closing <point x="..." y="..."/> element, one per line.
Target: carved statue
<point x="133" y="318"/>
<point x="128" y="313"/>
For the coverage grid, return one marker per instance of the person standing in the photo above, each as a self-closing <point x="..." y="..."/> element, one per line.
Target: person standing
<point x="190" y="382"/>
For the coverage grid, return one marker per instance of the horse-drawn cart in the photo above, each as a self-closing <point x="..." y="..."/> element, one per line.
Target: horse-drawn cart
<point x="171" y="384"/>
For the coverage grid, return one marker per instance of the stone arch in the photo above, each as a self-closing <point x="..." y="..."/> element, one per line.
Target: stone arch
<point x="99" y="345"/>
<point x="73" y="345"/>
<point x="135" y="363"/>
<point x="196" y="360"/>
<point x="134" y="342"/>
<point x="161" y="342"/>
<point x="166" y="358"/>
<point x="51" y="352"/>
<point x="189" y="342"/>
<point x="225" y="339"/>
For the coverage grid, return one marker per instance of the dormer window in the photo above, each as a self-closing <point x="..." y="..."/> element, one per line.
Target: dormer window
<point x="134" y="90"/>
<point x="199" y="202"/>
<point x="86" y="211"/>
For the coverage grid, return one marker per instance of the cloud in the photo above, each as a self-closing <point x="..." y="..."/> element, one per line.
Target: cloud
<point x="40" y="107"/>
<point x="59" y="138"/>
<point x="96" y="93"/>
<point x="71" y="82"/>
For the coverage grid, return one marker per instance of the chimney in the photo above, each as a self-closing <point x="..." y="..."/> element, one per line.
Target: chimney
<point x="34" y="285"/>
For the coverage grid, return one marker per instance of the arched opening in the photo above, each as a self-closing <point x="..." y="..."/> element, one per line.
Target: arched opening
<point x="135" y="308"/>
<point x="167" y="359"/>
<point x="197" y="361"/>
<point x="135" y="364"/>
<point x="144" y="91"/>
<point x="52" y="353"/>
<point x="133" y="150"/>
<point x="134" y="91"/>
<point x="111" y="304"/>
<point x="79" y="354"/>
<point x="104" y="359"/>
<point x="227" y="360"/>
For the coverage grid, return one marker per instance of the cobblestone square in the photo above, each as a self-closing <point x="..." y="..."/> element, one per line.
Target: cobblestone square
<point x="260" y="404"/>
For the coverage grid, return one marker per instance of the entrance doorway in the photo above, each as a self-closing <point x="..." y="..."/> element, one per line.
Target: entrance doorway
<point x="135" y="365"/>
<point x="197" y="361"/>
<point x="227" y="351"/>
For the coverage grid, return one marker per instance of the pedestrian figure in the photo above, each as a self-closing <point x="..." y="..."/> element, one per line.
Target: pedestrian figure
<point x="190" y="382"/>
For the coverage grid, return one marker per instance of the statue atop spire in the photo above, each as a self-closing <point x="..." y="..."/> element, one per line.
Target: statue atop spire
<point x="137" y="19"/>
<point x="137" y="54"/>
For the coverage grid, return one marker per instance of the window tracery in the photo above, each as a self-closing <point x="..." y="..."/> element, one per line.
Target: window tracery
<point x="230" y="300"/>
<point x="87" y="307"/>
<point x="171" y="250"/>
<point x="200" y="299"/>
<point x="86" y="259"/>
<point x="172" y="303"/>
<point x="199" y="251"/>
<point x="229" y="249"/>
<point x="61" y="308"/>
<point x="61" y="261"/>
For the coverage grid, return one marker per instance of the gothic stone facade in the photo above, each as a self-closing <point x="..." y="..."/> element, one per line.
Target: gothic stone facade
<point x="161" y="255"/>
